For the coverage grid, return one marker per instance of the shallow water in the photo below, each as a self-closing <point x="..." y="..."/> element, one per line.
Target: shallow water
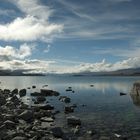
<point x="105" y="109"/>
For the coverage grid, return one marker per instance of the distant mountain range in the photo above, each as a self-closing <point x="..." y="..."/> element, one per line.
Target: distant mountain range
<point x="123" y="72"/>
<point x="18" y="73"/>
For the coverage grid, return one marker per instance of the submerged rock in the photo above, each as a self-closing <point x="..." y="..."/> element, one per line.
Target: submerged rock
<point x="41" y="99"/>
<point x="73" y="121"/>
<point x="65" y="99"/>
<point x="57" y="132"/>
<point x="69" y="109"/>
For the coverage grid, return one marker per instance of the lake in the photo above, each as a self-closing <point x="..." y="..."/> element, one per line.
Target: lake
<point x="100" y="107"/>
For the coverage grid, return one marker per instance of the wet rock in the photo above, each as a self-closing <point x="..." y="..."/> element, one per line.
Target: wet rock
<point x="23" y="106"/>
<point x="68" y="89"/>
<point x="47" y="107"/>
<point x="46" y="92"/>
<point x="6" y="91"/>
<point x="27" y="115"/>
<point x="9" y="117"/>
<point x="22" y="92"/>
<point x="36" y="94"/>
<point x="33" y="86"/>
<point x="9" y="124"/>
<point x="41" y="99"/>
<point x="121" y="93"/>
<point x="15" y="100"/>
<point x="65" y="99"/>
<point x="57" y="132"/>
<point x="15" y="91"/>
<point x="69" y="109"/>
<point x="91" y="85"/>
<point x="73" y="121"/>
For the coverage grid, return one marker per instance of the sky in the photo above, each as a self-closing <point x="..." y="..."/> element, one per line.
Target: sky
<point x="69" y="36"/>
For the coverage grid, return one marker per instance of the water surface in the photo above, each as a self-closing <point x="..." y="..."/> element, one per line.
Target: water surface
<point x="105" y="109"/>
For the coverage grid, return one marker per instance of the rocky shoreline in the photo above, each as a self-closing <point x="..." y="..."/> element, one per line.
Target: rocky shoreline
<point x="40" y="121"/>
<point x="19" y="121"/>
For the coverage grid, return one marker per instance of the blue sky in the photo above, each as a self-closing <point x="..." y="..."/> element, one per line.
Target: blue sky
<point x="67" y="36"/>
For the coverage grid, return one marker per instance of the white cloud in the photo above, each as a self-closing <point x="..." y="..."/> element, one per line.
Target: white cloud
<point x="44" y="66"/>
<point x="34" y="8"/>
<point x="9" y="52"/>
<point x="99" y="66"/>
<point x="129" y="52"/>
<point x="29" y="29"/>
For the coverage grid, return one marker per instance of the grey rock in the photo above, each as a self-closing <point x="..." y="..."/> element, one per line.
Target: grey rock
<point x="27" y="115"/>
<point x="9" y="124"/>
<point x="19" y="138"/>
<point x="15" y="91"/>
<point x="22" y="92"/>
<point x="2" y="100"/>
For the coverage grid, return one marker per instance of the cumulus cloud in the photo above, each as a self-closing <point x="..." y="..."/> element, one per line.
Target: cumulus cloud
<point x="10" y="52"/>
<point x="29" y="29"/>
<point x="44" y="66"/>
<point x="102" y="66"/>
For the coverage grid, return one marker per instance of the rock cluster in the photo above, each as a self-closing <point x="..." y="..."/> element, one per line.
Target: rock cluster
<point x="19" y="121"/>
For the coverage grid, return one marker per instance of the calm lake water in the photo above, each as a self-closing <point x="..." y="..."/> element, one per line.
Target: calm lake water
<point x="105" y="109"/>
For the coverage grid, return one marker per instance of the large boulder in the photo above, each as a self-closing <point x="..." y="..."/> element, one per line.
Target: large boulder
<point x="22" y="92"/>
<point x="14" y="92"/>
